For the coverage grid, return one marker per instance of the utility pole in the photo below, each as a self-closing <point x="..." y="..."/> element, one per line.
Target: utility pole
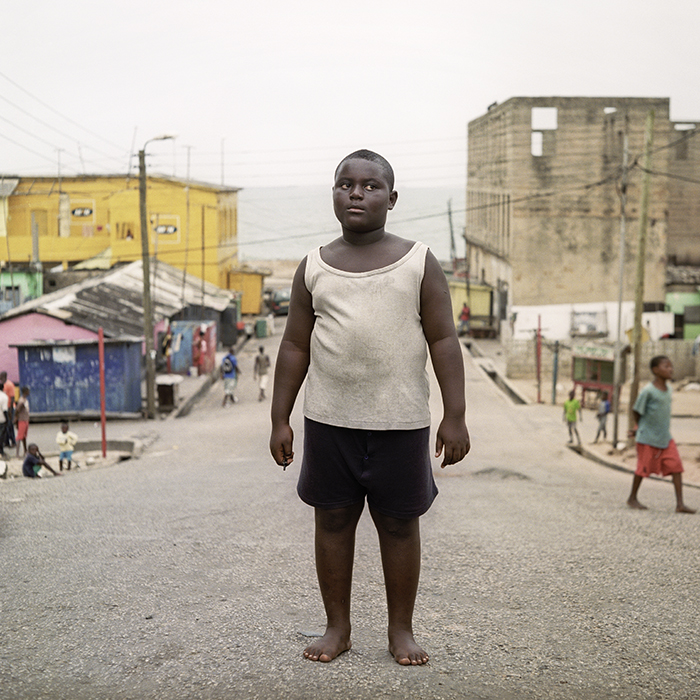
<point x="617" y="367"/>
<point x="146" y="271"/>
<point x="147" y="307"/>
<point x="641" y="255"/>
<point x="187" y="225"/>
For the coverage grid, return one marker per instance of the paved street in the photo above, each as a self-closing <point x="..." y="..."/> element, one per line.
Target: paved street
<point x="188" y="573"/>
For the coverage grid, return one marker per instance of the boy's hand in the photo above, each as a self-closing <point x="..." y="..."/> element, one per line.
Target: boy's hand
<point x="281" y="443"/>
<point x="453" y="436"/>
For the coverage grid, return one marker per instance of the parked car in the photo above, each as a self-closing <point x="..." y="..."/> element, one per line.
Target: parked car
<point x="278" y="301"/>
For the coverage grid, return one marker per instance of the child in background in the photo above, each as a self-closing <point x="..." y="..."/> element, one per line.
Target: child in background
<point x="571" y="407"/>
<point x="656" y="450"/>
<point x="66" y="444"/>
<point x="33" y="463"/>
<point x="602" y="415"/>
<point x="22" y="420"/>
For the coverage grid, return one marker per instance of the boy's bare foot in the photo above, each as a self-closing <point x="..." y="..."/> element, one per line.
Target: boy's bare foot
<point x="404" y="649"/>
<point x="634" y="503"/>
<point x="333" y="643"/>
<point x="684" y="509"/>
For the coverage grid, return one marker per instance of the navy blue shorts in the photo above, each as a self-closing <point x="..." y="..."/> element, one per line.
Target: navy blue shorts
<point x="391" y="468"/>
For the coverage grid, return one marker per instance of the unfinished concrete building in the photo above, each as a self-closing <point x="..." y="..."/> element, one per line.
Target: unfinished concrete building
<point x="543" y="207"/>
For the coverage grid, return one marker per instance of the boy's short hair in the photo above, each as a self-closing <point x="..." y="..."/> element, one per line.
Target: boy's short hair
<point x="657" y="360"/>
<point x="381" y="161"/>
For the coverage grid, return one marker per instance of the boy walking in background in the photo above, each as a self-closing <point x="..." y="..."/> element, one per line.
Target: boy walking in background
<point x="66" y="440"/>
<point x="571" y="407"/>
<point x="261" y="371"/>
<point x="656" y="450"/>
<point x="364" y="312"/>
<point x="602" y="415"/>
<point x="229" y="373"/>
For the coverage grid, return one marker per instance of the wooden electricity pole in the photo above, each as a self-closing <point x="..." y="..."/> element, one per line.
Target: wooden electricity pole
<point x="641" y="256"/>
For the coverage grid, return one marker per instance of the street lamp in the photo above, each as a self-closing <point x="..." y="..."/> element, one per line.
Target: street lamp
<point x="147" y="307"/>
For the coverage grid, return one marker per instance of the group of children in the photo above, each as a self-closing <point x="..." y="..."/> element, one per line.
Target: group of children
<point x="15" y="419"/>
<point x="34" y="460"/>
<point x="657" y="453"/>
<point x="230" y="371"/>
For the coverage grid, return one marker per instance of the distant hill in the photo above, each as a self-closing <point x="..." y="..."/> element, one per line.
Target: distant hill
<point x="284" y="223"/>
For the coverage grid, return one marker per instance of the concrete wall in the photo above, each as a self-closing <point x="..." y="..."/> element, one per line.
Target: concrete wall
<point x="556" y="214"/>
<point x="684" y="203"/>
<point x="521" y="359"/>
<point x="556" y="320"/>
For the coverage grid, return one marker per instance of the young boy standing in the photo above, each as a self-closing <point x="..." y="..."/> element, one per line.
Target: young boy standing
<point x="571" y="407"/>
<point x="22" y="420"/>
<point x="261" y="370"/>
<point x="66" y="440"/>
<point x="656" y="450"/>
<point x="364" y="312"/>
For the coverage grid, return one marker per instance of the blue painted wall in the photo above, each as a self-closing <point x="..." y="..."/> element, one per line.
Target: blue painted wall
<point x="66" y="378"/>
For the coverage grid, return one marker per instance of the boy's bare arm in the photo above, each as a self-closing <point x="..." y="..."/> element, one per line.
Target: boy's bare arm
<point x="446" y="356"/>
<point x="291" y="367"/>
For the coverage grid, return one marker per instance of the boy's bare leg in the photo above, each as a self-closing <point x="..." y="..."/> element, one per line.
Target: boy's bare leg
<point x="399" y="541"/>
<point x="632" y="501"/>
<point x="678" y="488"/>
<point x="335" y="551"/>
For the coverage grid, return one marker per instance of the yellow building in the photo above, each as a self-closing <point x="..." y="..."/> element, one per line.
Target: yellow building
<point x="479" y="298"/>
<point x="193" y="226"/>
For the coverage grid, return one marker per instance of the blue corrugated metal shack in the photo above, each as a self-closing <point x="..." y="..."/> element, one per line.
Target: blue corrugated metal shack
<point x="64" y="377"/>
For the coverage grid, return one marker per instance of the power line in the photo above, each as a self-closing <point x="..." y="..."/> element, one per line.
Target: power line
<point x="55" y="111"/>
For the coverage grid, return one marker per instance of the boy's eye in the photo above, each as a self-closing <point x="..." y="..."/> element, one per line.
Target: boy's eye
<point x="370" y="187"/>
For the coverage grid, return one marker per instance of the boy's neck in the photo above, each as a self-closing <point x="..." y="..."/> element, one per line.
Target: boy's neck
<point x="660" y="383"/>
<point x="366" y="238"/>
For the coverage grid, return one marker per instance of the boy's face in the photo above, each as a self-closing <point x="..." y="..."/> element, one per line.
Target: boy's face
<point x="33" y="449"/>
<point x="664" y="370"/>
<point x="361" y="196"/>
<point x="64" y="428"/>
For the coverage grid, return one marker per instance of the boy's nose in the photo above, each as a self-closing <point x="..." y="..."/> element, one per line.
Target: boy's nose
<point x="357" y="192"/>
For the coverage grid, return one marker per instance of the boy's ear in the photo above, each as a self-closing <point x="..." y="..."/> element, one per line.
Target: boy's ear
<point x="393" y="196"/>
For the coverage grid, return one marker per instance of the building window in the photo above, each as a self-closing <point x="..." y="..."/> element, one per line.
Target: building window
<point x="11" y="294"/>
<point x="536" y="141"/>
<point x="544" y="118"/>
<point x="125" y="231"/>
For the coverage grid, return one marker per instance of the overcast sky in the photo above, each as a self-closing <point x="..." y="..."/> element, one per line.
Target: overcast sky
<point x="286" y="89"/>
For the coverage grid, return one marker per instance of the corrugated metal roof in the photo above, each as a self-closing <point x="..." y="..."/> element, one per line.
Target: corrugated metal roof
<point x="8" y="186"/>
<point x="114" y="301"/>
<point x="678" y="274"/>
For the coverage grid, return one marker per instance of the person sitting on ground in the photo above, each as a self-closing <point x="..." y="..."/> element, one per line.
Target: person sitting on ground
<point x="33" y="463"/>
<point x="66" y="440"/>
<point x="656" y="450"/>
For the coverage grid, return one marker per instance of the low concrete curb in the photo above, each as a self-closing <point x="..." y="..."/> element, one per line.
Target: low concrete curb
<point x="588" y="454"/>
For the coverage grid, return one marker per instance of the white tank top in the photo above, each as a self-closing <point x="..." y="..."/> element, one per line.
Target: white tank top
<point x="368" y="351"/>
